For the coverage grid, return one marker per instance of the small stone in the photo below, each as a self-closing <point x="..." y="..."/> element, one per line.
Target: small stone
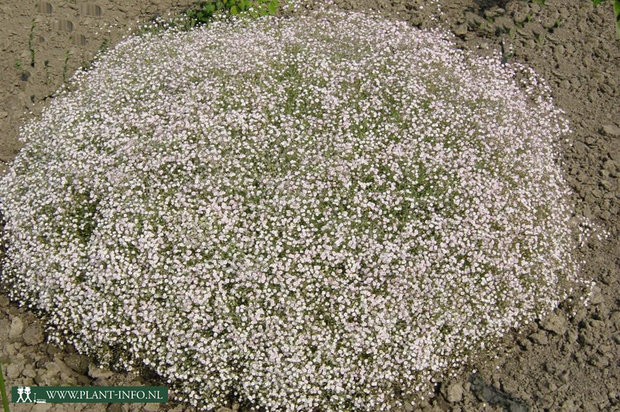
<point x="33" y="335"/>
<point x="611" y="130"/>
<point x="460" y="30"/>
<point x="13" y="370"/>
<point x="539" y="337"/>
<point x="51" y="372"/>
<point x="524" y="343"/>
<point x="555" y="324"/>
<point x="52" y="350"/>
<point x="492" y="13"/>
<point x="42" y="407"/>
<point x="114" y="407"/>
<point x="590" y="141"/>
<point x="4" y="325"/>
<point x="224" y="409"/>
<point x="17" y="328"/>
<point x="68" y="380"/>
<point x="584" y="339"/>
<point x="474" y="20"/>
<point x="95" y="372"/>
<point x="518" y="407"/>
<point x="64" y="368"/>
<point x="151" y="407"/>
<point x="78" y="363"/>
<point x="453" y="392"/>
<point x="29" y="372"/>
<point x="9" y="349"/>
<point x="3" y="114"/>
<point x="606" y="184"/>
<point x="596" y="297"/>
<point x="519" y="16"/>
<point x="615" y="319"/>
<point x="504" y="23"/>
<point x="4" y="301"/>
<point x="102" y="382"/>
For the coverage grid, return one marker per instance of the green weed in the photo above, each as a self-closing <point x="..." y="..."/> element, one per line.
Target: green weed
<point x="31" y="42"/>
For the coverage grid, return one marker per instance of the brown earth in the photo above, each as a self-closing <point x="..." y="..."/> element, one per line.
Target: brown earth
<point x="566" y="362"/>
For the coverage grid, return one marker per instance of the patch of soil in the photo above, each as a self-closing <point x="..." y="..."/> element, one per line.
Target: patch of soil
<point x="568" y="361"/>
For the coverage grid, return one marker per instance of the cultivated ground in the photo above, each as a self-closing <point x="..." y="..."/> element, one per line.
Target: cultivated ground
<point x="566" y="362"/>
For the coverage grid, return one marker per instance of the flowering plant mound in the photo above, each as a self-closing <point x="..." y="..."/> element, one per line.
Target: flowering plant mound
<point x="321" y="212"/>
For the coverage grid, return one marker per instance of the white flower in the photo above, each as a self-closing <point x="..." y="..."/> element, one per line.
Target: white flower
<point x="284" y="211"/>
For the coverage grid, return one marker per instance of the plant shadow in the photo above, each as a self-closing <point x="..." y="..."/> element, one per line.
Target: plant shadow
<point x="487" y="4"/>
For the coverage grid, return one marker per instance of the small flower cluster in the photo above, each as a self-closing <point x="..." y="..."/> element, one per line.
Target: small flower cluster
<point x="320" y="212"/>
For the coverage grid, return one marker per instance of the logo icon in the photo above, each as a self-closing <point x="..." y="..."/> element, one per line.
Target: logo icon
<point x="24" y="394"/>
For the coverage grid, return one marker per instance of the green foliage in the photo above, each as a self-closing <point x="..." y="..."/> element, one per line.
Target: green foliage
<point x="617" y="14"/>
<point x="31" y="43"/>
<point x="5" y="401"/>
<point x="206" y="10"/>
<point x="65" y="67"/>
<point x="203" y="12"/>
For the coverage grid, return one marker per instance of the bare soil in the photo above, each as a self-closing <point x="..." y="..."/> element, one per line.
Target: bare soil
<point x="566" y="362"/>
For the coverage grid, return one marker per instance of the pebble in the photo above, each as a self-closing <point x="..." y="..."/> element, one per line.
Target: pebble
<point x="615" y="320"/>
<point x="152" y="407"/>
<point x="519" y="16"/>
<point x="4" y="325"/>
<point x="17" y="328"/>
<point x="114" y="407"/>
<point x="611" y="130"/>
<point x="13" y="370"/>
<point x="29" y="372"/>
<point x="453" y="392"/>
<point x="504" y="23"/>
<point x="555" y="323"/>
<point x="33" y="335"/>
<point x="95" y="372"/>
<point x="539" y="337"/>
<point x="460" y="30"/>
<point x="77" y="362"/>
<point x="596" y="298"/>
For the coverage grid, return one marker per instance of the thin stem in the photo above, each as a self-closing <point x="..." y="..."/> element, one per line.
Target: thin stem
<point x="5" y="400"/>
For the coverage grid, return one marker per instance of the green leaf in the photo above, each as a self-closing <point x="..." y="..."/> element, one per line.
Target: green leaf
<point x="273" y="7"/>
<point x="596" y="2"/>
<point x="5" y="399"/>
<point x="617" y="14"/>
<point x="234" y="10"/>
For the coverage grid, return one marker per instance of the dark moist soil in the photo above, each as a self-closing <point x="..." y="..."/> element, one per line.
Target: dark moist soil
<point x="566" y="362"/>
